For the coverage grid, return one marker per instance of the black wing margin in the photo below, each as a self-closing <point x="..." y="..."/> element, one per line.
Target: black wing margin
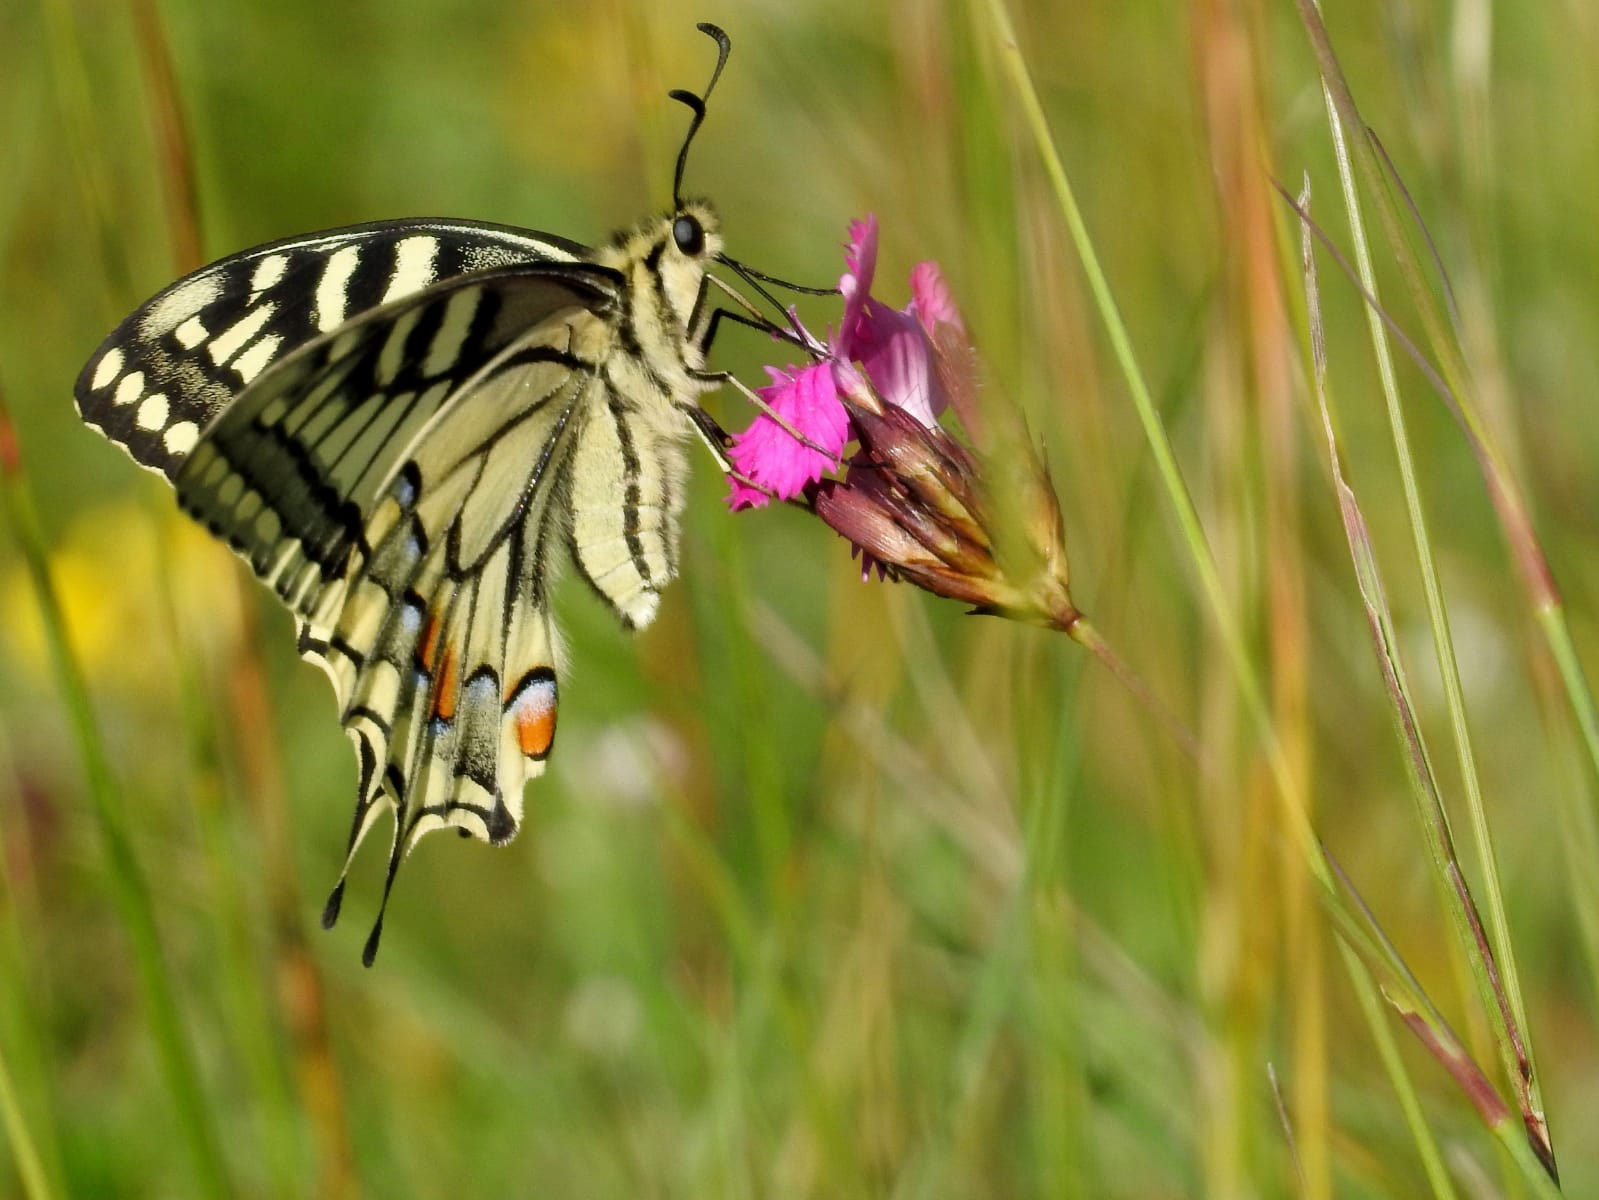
<point x="156" y="383"/>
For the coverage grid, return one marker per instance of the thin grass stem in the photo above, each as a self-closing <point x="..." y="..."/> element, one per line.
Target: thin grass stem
<point x="1171" y="477"/>
<point x="24" y="1147"/>
<point x="1361" y="932"/>
<point x="1393" y="1062"/>
<point x="1496" y="972"/>
<point x="196" y="1124"/>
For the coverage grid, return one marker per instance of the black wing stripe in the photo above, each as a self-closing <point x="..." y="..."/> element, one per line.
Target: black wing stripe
<point x="630" y="489"/>
<point x="171" y="346"/>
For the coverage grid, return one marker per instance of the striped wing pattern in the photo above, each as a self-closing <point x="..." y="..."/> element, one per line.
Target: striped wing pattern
<point x="403" y="461"/>
<point x="157" y="382"/>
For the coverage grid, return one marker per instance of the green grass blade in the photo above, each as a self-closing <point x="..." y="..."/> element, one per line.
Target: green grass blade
<point x="196" y="1125"/>
<point x="24" y="1147"/>
<point x="1497" y="977"/>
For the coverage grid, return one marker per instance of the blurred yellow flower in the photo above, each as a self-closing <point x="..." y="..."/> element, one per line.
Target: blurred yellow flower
<point x="130" y="583"/>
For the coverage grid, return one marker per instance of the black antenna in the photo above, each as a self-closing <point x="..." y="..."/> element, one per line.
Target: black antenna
<point x="696" y="104"/>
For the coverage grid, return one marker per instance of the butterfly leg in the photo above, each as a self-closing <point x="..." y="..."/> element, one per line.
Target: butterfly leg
<point x="756" y="321"/>
<point x="748" y="314"/>
<point x="720" y="377"/>
<point x="716" y="439"/>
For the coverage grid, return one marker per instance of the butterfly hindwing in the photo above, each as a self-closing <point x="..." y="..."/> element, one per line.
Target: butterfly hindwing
<point x="160" y="378"/>
<point x="402" y="484"/>
<point x="403" y="427"/>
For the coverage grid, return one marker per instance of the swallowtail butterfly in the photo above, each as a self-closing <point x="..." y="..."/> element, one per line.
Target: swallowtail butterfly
<point x="400" y="427"/>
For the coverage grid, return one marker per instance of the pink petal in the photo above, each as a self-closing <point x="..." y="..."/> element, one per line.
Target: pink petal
<point x="741" y="495"/>
<point x="860" y="256"/>
<point x="768" y="454"/>
<point x="894" y="351"/>
<point x="931" y="301"/>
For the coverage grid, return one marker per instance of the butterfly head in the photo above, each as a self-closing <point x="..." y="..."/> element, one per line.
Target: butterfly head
<point x="693" y="241"/>
<point x="665" y="260"/>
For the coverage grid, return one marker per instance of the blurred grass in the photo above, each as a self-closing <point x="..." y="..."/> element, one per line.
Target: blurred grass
<point x="830" y="889"/>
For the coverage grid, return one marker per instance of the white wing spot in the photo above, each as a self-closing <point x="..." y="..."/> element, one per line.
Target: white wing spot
<point x="250" y="363"/>
<point x="180" y="439"/>
<point x="413" y="266"/>
<point x="484" y="691"/>
<point x="640" y="609"/>
<point x="446" y="347"/>
<point x="268" y="271"/>
<point x="110" y="364"/>
<point x="181" y="303"/>
<point x="131" y="387"/>
<point x="191" y="333"/>
<point x="231" y="340"/>
<point x="153" y="412"/>
<point x="331" y="291"/>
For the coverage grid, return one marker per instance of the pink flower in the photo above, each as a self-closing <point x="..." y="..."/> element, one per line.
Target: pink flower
<point x="887" y="352"/>
<point x="769" y="455"/>
<point x="915" y="502"/>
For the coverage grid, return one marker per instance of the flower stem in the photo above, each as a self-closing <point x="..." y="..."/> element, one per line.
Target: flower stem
<point x="1077" y="627"/>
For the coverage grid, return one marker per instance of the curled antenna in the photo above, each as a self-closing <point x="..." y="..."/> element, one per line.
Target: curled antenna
<point x="696" y="104"/>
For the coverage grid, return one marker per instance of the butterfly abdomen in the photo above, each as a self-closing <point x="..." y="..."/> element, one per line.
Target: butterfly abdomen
<point x="626" y="490"/>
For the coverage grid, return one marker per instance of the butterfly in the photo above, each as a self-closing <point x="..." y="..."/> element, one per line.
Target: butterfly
<point x="403" y="428"/>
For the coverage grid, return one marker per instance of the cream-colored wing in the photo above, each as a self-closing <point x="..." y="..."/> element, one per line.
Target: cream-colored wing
<point x="408" y="510"/>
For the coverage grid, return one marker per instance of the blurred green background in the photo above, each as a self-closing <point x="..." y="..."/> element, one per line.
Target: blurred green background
<point x="830" y="890"/>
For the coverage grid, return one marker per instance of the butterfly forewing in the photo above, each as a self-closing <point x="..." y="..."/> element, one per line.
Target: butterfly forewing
<point x="165" y="372"/>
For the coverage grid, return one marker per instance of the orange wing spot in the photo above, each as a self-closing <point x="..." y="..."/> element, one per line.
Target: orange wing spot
<point x="428" y="647"/>
<point x="532" y="708"/>
<point x="448" y="688"/>
<point x="535" y="730"/>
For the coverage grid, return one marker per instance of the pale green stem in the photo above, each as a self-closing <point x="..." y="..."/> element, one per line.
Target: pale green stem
<point x="1404" y="1089"/>
<point x="196" y="1125"/>
<point x="1204" y="561"/>
<point x="25" y="1152"/>
<point x="1293" y="802"/>
<point x="1510" y="1035"/>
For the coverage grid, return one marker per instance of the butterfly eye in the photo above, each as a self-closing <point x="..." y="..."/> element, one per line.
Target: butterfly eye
<point x="689" y="235"/>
